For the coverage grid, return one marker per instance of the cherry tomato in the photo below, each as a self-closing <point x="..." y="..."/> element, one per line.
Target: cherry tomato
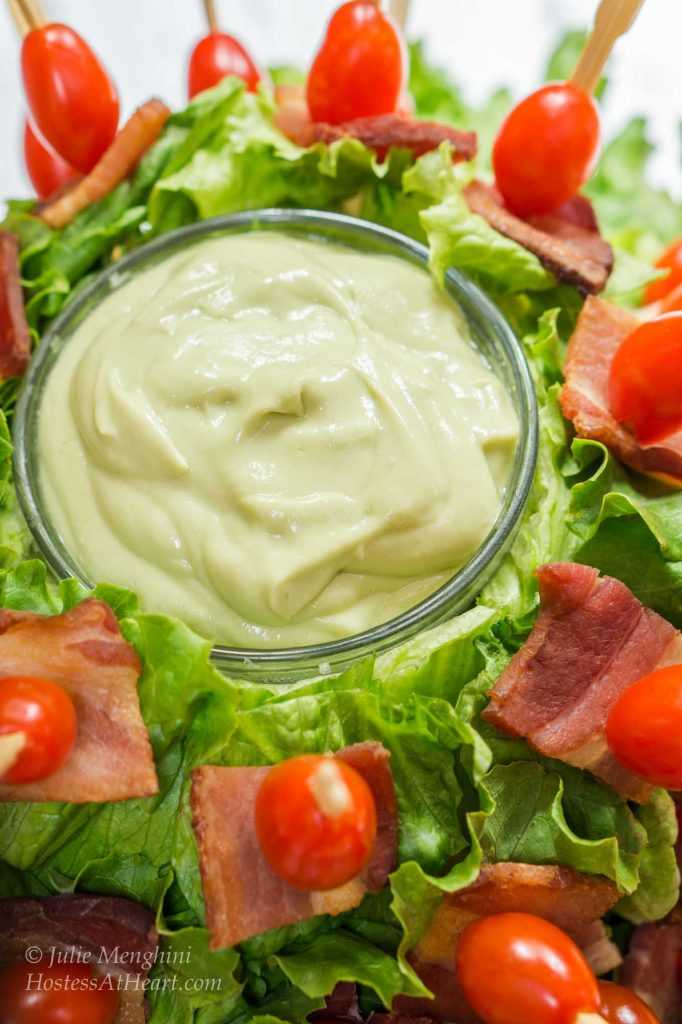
<point x="46" y="169"/>
<point x="644" y="727"/>
<point x="46" y="717"/>
<point x="670" y="259"/>
<point x="72" y="100"/>
<point x="645" y="380"/>
<point x="518" y="969"/>
<point x="58" y="994"/>
<point x="619" y="1005"/>
<point x="315" y="821"/>
<point x="360" y="68"/>
<point x="215" y="57"/>
<point x="546" y="148"/>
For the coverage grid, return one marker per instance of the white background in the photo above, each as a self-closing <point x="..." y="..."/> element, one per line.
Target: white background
<point x="484" y="43"/>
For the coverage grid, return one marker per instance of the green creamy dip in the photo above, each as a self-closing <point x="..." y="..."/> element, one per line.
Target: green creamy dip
<point x="281" y="441"/>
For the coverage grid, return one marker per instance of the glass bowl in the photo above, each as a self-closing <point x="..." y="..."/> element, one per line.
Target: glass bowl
<point x="490" y="334"/>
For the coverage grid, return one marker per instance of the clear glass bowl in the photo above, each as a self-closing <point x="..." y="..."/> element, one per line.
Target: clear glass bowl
<point x="491" y="335"/>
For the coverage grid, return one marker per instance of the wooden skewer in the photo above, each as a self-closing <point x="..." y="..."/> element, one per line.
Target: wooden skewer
<point x="211" y="15"/>
<point x="589" y="1018"/>
<point x="612" y="20"/>
<point x="27" y="14"/>
<point x="400" y="10"/>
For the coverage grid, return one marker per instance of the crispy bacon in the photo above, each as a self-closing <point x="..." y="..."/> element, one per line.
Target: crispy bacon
<point x="569" y="899"/>
<point x="380" y="132"/>
<point x="651" y="969"/>
<point x="401" y="1018"/>
<point x="567" y="242"/>
<point x="132" y="142"/>
<point x="116" y="936"/>
<point x="292" y="116"/>
<point x="600" y="330"/>
<point x="342" y="1006"/>
<point x="600" y="952"/>
<point x="233" y="867"/>
<point x="15" y="337"/>
<point x="371" y="761"/>
<point x="385" y="131"/>
<point x="84" y="652"/>
<point x="592" y="639"/>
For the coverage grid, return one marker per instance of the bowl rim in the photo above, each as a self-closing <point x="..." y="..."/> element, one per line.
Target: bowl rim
<point x="325" y="226"/>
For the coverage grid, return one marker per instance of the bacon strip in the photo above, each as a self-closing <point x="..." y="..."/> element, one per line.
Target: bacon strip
<point x="380" y="132"/>
<point x="84" y="652"/>
<point x="600" y="952"/>
<point x="569" y="899"/>
<point x="567" y="242"/>
<point x="385" y="131"/>
<point x="651" y="969"/>
<point x="243" y="896"/>
<point x="592" y="639"/>
<point x="601" y="329"/>
<point x="124" y="153"/>
<point x="341" y="1005"/>
<point x="116" y="936"/>
<point x="15" y="337"/>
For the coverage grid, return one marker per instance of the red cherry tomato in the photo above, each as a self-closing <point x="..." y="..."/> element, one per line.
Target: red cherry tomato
<point x="546" y="148"/>
<point x="518" y="969"/>
<point x="670" y="259"/>
<point x="644" y="727"/>
<point x="619" y="1005"/>
<point x="316" y="821"/>
<point x="46" y="169"/>
<point x="46" y="717"/>
<point x="215" y="57"/>
<point x="72" y="100"/>
<point x="58" y="994"/>
<point x="360" y="68"/>
<point x="645" y="381"/>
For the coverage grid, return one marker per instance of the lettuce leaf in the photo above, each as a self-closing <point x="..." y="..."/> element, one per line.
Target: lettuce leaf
<point x="659" y="888"/>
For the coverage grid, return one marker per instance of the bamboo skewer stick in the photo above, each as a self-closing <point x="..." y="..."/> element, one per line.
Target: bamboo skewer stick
<point x="400" y="10"/>
<point x="27" y="14"/>
<point x="211" y="15"/>
<point x="613" y="19"/>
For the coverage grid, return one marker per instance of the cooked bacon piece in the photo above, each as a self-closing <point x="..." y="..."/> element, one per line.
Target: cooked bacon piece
<point x="401" y="1018"/>
<point x="567" y="242"/>
<point x="292" y="116"/>
<point x="600" y="330"/>
<point x="124" y="153"/>
<point x="232" y="865"/>
<point x="341" y="1005"/>
<point x="651" y="969"/>
<point x="384" y="131"/>
<point x="84" y="652"/>
<point x="371" y="761"/>
<point x="592" y="639"/>
<point x="600" y="952"/>
<point x="15" y="337"/>
<point x="379" y="132"/>
<point x="118" y="936"/>
<point x="569" y="899"/>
